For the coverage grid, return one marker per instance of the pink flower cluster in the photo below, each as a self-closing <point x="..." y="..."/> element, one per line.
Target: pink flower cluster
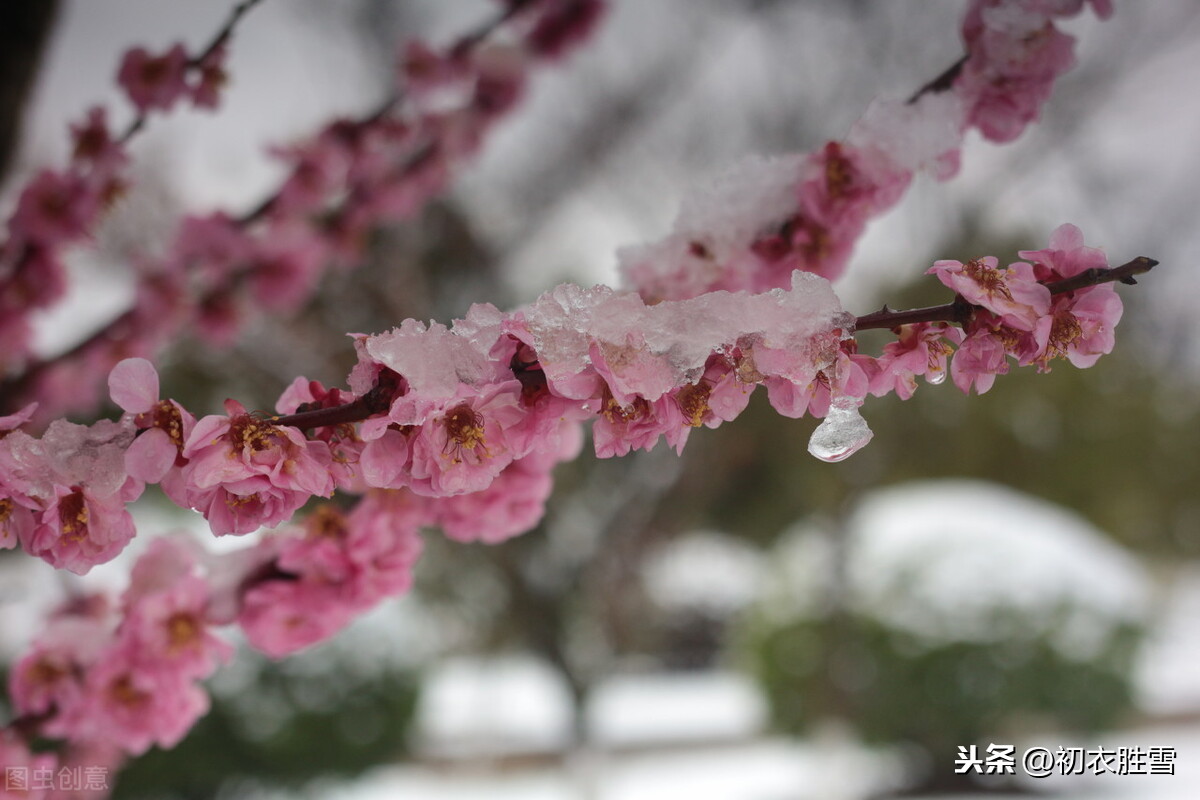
<point x="468" y="420"/>
<point x="811" y="211"/>
<point x="460" y="426"/>
<point x="350" y="178"/>
<point x="1017" y="316"/>
<point x="125" y="675"/>
<point x="334" y="568"/>
<point x="158" y="82"/>
<point x="56" y="209"/>
<point x="1014" y="56"/>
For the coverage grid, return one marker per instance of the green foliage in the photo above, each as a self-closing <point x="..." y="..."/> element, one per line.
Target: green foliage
<point x="287" y="728"/>
<point x="894" y="686"/>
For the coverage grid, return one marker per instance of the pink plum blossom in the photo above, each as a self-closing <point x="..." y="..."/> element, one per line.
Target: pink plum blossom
<point x="1015" y="55"/>
<point x="134" y="705"/>
<point x="165" y="611"/>
<point x="1013" y="294"/>
<point x="163" y="425"/>
<point x="1080" y="324"/>
<point x="94" y="143"/>
<point x="80" y="529"/>
<point x="55" y="208"/>
<point x="206" y="93"/>
<point x="244" y="472"/>
<point x="280" y="617"/>
<point x="46" y="679"/>
<point x="637" y="425"/>
<point x="921" y="350"/>
<point x="978" y="360"/>
<point x="154" y="82"/>
<point x="22" y="768"/>
<point x="513" y="504"/>
<point x="464" y="445"/>
<point x="562" y="25"/>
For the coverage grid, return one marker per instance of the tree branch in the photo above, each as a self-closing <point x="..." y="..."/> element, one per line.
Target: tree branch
<point x="221" y="37"/>
<point x="959" y="310"/>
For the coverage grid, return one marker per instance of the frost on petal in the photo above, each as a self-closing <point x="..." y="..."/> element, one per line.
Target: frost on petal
<point x="913" y="136"/>
<point x="133" y="385"/>
<point x="91" y="455"/>
<point x="433" y="360"/>
<point x="559" y="322"/>
<point x="718" y="220"/>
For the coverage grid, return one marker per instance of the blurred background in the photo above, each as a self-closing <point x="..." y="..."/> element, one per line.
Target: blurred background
<point x="744" y="621"/>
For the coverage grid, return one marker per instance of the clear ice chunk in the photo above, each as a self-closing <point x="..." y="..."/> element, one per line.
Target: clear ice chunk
<point x="842" y="433"/>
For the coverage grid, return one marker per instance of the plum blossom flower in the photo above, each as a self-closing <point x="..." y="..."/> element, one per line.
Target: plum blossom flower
<point x="719" y="395"/>
<point x="921" y="350"/>
<point x="562" y="25"/>
<point x="1015" y="55"/>
<point x="94" y="143"/>
<point x="55" y="208"/>
<point x="1013" y="294"/>
<point x="154" y="82"/>
<point x="244" y="472"/>
<point x="464" y="445"/>
<point x="166" y="612"/>
<point x="513" y="504"/>
<point x="163" y="425"/>
<point x="80" y="528"/>
<point x="21" y="765"/>
<point x="1080" y="324"/>
<point x="978" y="360"/>
<point x="206" y="93"/>
<point x="75" y="477"/>
<point x="334" y="566"/>
<point x="345" y="444"/>
<point x="16" y="505"/>
<point x="280" y="617"/>
<point x="47" y="679"/>
<point x="134" y="705"/>
<point x="637" y="425"/>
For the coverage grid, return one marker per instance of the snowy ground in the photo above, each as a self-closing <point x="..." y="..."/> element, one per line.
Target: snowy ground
<point x="497" y="728"/>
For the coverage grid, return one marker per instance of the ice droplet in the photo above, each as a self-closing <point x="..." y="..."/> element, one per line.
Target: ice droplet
<point x="841" y="434"/>
<point x="935" y="376"/>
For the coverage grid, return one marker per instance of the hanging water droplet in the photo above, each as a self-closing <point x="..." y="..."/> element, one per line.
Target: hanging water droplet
<point x="842" y="433"/>
<point x="935" y="376"/>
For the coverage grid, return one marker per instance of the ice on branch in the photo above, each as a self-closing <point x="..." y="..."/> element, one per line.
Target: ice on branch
<point x="648" y="350"/>
<point x="841" y="434"/>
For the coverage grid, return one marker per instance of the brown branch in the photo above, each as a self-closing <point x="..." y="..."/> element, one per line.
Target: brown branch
<point x="959" y="311"/>
<point x="941" y="83"/>
<point x="220" y="38"/>
<point x="376" y="401"/>
<point x="223" y="35"/>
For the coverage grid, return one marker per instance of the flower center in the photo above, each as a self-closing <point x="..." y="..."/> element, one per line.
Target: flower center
<point x="1064" y="331"/>
<point x="464" y="427"/>
<point x="988" y="278"/>
<point x="838" y="173"/>
<point x="123" y="692"/>
<point x="249" y="431"/>
<point x="168" y="418"/>
<point x="693" y="402"/>
<point x="326" y="522"/>
<point x="183" y="629"/>
<point x="73" y="516"/>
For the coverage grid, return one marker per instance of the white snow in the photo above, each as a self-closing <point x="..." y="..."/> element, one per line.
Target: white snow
<point x="960" y="559"/>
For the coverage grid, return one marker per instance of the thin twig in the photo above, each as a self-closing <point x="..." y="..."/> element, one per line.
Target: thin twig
<point x="222" y="36"/>
<point x="959" y="310"/>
